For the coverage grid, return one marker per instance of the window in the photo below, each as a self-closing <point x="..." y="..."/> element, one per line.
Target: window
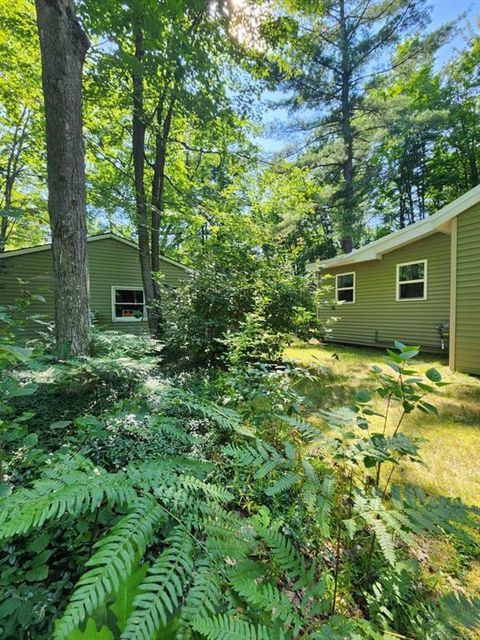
<point x="128" y="305"/>
<point x="412" y="280"/>
<point x="345" y="287"/>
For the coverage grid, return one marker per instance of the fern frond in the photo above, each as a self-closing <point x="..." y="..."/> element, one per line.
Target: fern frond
<point x="203" y="597"/>
<point x="325" y="503"/>
<point x="371" y="510"/>
<point x="75" y="493"/>
<point x="265" y="597"/>
<point x="287" y="557"/>
<point x="224" y="417"/>
<point x="208" y="490"/>
<point x="166" y="471"/>
<point x="112" y="563"/>
<point x="282" y="484"/>
<point x="162" y="590"/>
<point x="224" y="627"/>
<point x="245" y="456"/>
<point x="268" y="460"/>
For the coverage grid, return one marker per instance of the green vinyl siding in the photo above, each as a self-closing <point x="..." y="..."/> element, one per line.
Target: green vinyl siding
<point x="111" y="264"/>
<point x="114" y="264"/>
<point x="468" y="292"/>
<point x="35" y="272"/>
<point x="376" y="317"/>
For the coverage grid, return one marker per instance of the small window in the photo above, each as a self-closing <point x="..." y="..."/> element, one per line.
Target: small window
<point x="412" y="280"/>
<point x="345" y="287"/>
<point x="128" y="305"/>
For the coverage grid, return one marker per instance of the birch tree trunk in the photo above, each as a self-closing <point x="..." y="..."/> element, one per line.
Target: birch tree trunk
<point x="63" y="45"/>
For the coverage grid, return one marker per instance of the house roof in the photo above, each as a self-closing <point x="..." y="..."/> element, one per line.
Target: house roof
<point x="94" y="238"/>
<point x="438" y="222"/>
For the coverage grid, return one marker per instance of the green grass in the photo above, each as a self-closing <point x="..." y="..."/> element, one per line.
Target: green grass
<point x="451" y="450"/>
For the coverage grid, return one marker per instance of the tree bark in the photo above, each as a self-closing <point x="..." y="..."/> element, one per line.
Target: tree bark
<point x="138" y="150"/>
<point x="348" y="215"/>
<point x="158" y="191"/>
<point x="63" y="45"/>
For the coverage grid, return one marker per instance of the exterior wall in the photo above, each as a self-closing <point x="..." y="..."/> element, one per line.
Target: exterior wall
<point x="467" y="321"/>
<point x="111" y="263"/>
<point x="376" y="318"/>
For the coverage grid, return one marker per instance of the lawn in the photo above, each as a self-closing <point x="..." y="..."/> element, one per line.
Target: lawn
<point x="451" y="451"/>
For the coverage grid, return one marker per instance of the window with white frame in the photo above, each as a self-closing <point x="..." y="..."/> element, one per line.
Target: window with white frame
<point x="128" y="304"/>
<point x="345" y="287"/>
<point x="412" y="280"/>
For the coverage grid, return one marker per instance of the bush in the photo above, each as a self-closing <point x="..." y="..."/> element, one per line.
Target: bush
<point x="228" y="295"/>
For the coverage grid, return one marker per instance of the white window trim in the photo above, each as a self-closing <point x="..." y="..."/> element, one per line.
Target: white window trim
<point x="424" y="280"/>
<point x="126" y="287"/>
<point x="347" y="273"/>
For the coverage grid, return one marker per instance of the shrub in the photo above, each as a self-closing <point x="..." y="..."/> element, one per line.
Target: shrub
<point x="228" y="294"/>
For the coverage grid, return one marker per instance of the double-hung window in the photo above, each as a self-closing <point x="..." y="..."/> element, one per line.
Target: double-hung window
<point x="128" y="304"/>
<point x="412" y="280"/>
<point x="345" y="287"/>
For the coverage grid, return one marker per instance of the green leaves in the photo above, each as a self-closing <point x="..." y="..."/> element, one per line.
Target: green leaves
<point x="363" y="396"/>
<point x="224" y="627"/>
<point x="112" y="563"/>
<point x="433" y="375"/>
<point x="75" y="493"/>
<point x="161" y="591"/>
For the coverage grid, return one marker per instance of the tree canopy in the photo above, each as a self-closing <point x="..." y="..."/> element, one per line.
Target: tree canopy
<point x="379" y="133"/>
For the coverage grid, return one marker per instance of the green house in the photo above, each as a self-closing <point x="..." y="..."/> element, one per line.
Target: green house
<point x="419" y="285"/>
<point x="116" y="292"/>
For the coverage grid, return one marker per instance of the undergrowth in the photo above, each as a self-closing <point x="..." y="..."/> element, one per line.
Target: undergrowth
<point x="211" y="506"/>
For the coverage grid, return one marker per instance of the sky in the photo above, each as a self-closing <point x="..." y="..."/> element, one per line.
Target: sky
<point x="463" y="12"/>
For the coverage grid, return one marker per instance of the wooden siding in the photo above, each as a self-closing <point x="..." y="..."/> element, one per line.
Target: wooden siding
<point x="376" y="318"/>
<point x="111" y="264"/>
<point x="467" y="339"/>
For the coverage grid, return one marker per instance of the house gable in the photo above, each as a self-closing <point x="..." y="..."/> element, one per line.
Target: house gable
<point x="113" y="262"/>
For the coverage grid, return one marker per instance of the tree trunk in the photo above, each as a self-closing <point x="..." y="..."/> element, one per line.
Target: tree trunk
<point x="347" y="215"/>
<point x="12" y="171"/>
<point x="138" y="149"/>
<point x="158" y="191"/>
<point x="63" y="45"/>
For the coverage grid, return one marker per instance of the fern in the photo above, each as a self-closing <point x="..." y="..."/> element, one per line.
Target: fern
<point x="267" y="461"/>
<point x="203" y="597"/>
<point x="225" y="418"/>
<point x="287" y="557"/>
<point x="283" y="484"/>
<point x="224" y="627"/>
<point x="74" y="494"/>
<point x="162" y="590"/>
<point x="372" y="512"/>
<point x="113" y="562"/>
<point x="266" y="597"/>
<point x="324" y="504"/>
